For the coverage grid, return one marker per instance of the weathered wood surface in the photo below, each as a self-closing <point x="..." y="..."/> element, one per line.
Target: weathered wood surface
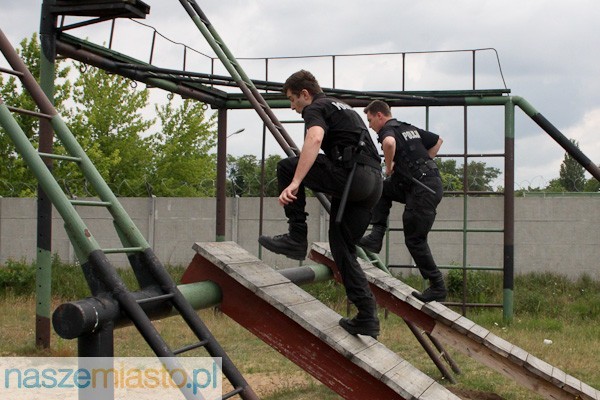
<point x="322" y="322"/>
<point x="478" y="342"/>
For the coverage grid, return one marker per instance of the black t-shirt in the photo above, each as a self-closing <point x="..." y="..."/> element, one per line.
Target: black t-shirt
<point x="412" y="143"/>
<point x="342" y="125"/>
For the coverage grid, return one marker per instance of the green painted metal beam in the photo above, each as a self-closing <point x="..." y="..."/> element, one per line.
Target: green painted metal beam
<point x="77" y="318"/>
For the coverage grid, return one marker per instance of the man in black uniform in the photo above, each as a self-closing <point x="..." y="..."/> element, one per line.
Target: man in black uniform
<point x="337" y="129"/>
<point x="408" y="153"/>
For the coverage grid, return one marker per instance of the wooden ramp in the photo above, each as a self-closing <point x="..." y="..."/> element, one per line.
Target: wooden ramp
<point x="464" y="335"/>
<point x="305" y="330"/>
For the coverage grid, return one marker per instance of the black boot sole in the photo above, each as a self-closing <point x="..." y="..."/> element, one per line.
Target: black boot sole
<point x="357" y="330"/>
<point x="427" y="299"/>
<point x="294" y="255"/>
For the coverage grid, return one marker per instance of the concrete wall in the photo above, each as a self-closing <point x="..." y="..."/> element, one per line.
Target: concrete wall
<point x="554" y="234"/>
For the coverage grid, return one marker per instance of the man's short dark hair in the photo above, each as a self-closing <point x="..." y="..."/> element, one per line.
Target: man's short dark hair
<point x="302" y="80"/>
<point x="378" y="106"/>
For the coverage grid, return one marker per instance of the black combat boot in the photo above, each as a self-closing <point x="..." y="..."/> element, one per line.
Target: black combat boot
<point x="365" y="323"/>
<point x="373" y="241"/>
<point x="355" y="326"/>
<point x="436" y="291"/>
<point x="285" y="244"/>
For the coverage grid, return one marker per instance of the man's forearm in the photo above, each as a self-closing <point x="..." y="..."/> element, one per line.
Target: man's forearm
<point x="308" y="155"/>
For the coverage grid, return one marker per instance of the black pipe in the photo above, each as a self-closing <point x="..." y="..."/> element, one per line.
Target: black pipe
<point x="82" y="317"/>
<point x="566" y="144"/>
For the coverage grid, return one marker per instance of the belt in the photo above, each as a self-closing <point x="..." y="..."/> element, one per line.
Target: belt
<point x="429" y="168"/>
<point x="366" y="160"/>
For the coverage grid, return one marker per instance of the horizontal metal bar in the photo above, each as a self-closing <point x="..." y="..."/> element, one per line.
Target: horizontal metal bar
<point x="474" y="268"/>
<point x="191" y="347"/>
<point x="90" y="203"/>
<point x="155" y="298"/>
<point x="29" y="112"/>
<point x="232" y="393"/>
<point x="11" y="72"/>
<point x="59" y="157"/>
<point x="469" y="155"/>
<point x="479" y="230"/>
<point x="473" y="192"/>
<point x="454" y="303"/>
<point x="123" y="250"/>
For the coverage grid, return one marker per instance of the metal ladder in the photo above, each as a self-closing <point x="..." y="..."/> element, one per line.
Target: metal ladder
<point x="245" y="84"/>
<point x="101" y="275"/>
<point x="240" y="77"/>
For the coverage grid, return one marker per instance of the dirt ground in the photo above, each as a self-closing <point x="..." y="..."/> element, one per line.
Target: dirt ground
<point x="467" y="394"/>
<point x="265" y="384"/>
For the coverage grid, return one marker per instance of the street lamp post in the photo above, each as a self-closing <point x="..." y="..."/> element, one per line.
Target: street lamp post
<point x="236" y="132"/>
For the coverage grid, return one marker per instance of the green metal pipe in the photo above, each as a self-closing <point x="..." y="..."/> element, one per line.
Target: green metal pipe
<point x="74" y="319"/>
<point x="372" y="258"/>
<point x="562" y="140"/>
<point x="201" y="294"/>
<point x="509" y="210"/>
<point x="43" y="277"/>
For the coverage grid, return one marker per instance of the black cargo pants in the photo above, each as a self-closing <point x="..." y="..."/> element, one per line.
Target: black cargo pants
<point x="330" y="178"/>
<point x="418" y="216"/>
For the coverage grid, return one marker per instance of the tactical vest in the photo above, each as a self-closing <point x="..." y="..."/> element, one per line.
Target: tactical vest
<point x="411" y="155"/>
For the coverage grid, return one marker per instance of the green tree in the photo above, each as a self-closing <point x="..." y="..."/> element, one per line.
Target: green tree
<point x="555" y="186"/>
<point x="479" y="175"/>
<point x="450" y="174"/>
<point x="182" y="163"/>
<point x="108" y="123"/>
<point x="245" y="176"/>
<point x="592" y="185"/>
<point x="572" y="174"/>
<point x="16" y="178"/>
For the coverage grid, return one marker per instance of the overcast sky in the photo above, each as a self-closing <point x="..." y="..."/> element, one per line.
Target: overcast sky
<point x="549" y="52"/>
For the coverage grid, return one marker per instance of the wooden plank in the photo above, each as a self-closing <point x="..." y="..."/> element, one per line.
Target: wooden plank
<point x="463" y="325"/>
<point x="384" y="281"/>
<point x="518" y="356"/>
<point x="313" y="317"/>
<point x="433" y="393"/>
<point x="223" y="253"/>
<point x="278" y="330"/>
<point x="540" y="368"/>
<point x="572" y="384"/>
<point x="400" y="294"/>
<point x="440" y="312"/>
<point x="287" y="295"/>
<point x="559" y="377"/>
<point x="498" y="345"/>
<point x="233" y="259"/>
<point x="474" y="340"/>
<point x="349" y="345"/>
<point x="403" y="378"/>
<point x="377" y="359"/>
<point x="478" y="333"/>
<point x="486" y="356"/>
<point x="255" y="276"/>
<point x="589" y="391"/>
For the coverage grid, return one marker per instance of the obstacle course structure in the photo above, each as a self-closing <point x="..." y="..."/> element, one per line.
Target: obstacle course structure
<point x="263" y="96"/>
<point x="102" y="277"/>
<point x="240" y="276"/>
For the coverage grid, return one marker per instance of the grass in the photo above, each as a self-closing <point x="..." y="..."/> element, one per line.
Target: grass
<point x="547" y="306"/>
